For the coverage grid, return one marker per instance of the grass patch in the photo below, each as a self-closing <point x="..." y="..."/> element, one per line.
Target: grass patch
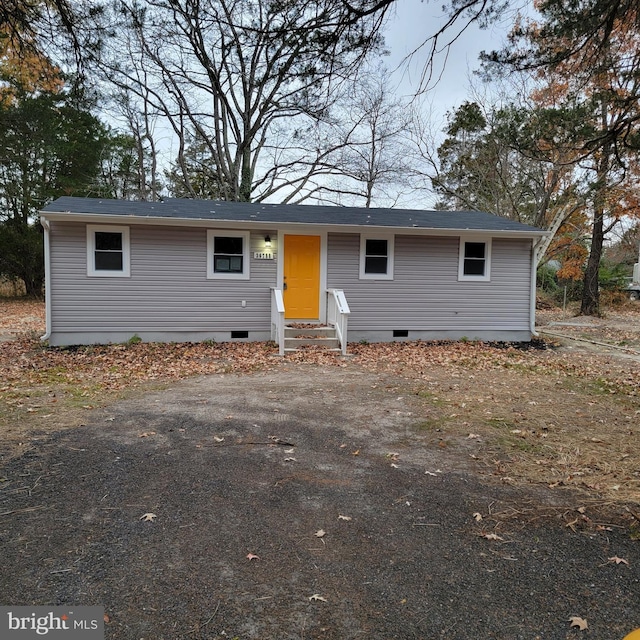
<point x="430" y="397"/>
<point x="431" y="424"/>
<point x="501" y="423"/>
<point x="519" y="444"/>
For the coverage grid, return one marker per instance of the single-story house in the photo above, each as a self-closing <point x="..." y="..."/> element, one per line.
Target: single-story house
<point x="194" y="270"/>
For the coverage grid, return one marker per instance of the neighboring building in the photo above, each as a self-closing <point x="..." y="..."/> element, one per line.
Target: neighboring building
<point x="193" y="270"/>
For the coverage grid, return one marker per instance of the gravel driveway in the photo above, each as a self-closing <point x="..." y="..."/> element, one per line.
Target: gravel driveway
<point x="300" y="504"/>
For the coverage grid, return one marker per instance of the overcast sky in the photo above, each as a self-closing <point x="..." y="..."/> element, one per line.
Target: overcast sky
<point x="411" y="24"/>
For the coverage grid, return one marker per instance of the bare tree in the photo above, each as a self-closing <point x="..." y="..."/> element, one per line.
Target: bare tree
<point x="250" y="78"/>
<point x="372" y="164"/>
<point x="140" y="120"/>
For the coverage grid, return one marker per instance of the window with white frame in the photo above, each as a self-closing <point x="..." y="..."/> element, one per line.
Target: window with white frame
<point x="475" y="260"/>
<point x="108" y="251"/>
<point x="228" y="254"/>
<point x="376" y="257"/>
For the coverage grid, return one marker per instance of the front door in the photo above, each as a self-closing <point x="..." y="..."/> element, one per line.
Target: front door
<point x="301" y="277"/>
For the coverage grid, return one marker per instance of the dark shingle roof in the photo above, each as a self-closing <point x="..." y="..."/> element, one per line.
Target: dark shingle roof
<point x="185" y="209"/>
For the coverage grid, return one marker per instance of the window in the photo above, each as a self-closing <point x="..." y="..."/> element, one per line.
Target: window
<point x="475" y="260"/>
<point x="108" y="251"/>
<point x="376" y="258"/>
<point x="228" y="254"/>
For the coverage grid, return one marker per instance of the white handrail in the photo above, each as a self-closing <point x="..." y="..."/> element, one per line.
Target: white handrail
<point x="277" y="319"/>
<point x="338" y="315"/>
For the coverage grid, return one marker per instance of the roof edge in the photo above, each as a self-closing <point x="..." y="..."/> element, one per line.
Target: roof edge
<point x="531" y="232"/>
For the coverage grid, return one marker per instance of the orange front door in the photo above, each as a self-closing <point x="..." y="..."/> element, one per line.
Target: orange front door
<point x="302" y="277"/>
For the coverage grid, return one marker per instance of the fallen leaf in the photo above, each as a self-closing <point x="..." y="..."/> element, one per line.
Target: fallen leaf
<point x="347" y="518"/>
<point x="473" y="436"/>
<point x="317" y="597"/>
<point x="106" y="618"/>
<point x="146" y="434"/>
<point x="320" y="533"/>
<point x="148" y="517"/>
<point x="356" y="452"/>
<point x="492" y="536"/>
<point x="252" y="556"/>
<point x="572" y="524"/>
<point x="576" y="621"/>
<point x="395" y="466"/>
<point x="477" y="516"/>
<point x="618" y="560"/>
<point x="290" y="460"/>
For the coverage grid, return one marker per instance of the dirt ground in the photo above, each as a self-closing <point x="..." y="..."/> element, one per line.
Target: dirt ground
<point x="410" y="491"/>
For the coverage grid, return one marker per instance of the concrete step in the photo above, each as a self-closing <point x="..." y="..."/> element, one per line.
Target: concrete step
<point x="315" y="332"/>
<point x="294" y="350"/>
<point x="296" y="343"/>
<point x="318" y="336"/>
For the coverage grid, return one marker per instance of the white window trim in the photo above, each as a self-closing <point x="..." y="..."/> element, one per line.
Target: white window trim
<point x="486" y="277"/>
<point x="390" y="238"/>
<point x="126" y="252"/>
<point x="246" y="254"/>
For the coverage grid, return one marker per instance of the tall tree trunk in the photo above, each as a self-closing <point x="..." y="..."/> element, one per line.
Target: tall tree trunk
<point x="33" y="285"/>
<point x="246" y="177"/>
<point x="590" y="292"/>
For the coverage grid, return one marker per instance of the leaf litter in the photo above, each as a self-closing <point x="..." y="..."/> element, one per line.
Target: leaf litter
<point x="530" y="413"/>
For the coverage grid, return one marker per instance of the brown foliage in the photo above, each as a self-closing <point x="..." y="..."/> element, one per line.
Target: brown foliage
<point x="25" y="70"/>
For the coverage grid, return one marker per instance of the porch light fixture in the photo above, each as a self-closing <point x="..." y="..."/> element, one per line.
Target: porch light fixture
<point x="267" y="242"/>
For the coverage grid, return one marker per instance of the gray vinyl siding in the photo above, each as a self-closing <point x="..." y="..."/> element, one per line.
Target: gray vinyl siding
<point x="169" y="297"/>
<point x="167" y="292"/>
<point x="425" y="293"/>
